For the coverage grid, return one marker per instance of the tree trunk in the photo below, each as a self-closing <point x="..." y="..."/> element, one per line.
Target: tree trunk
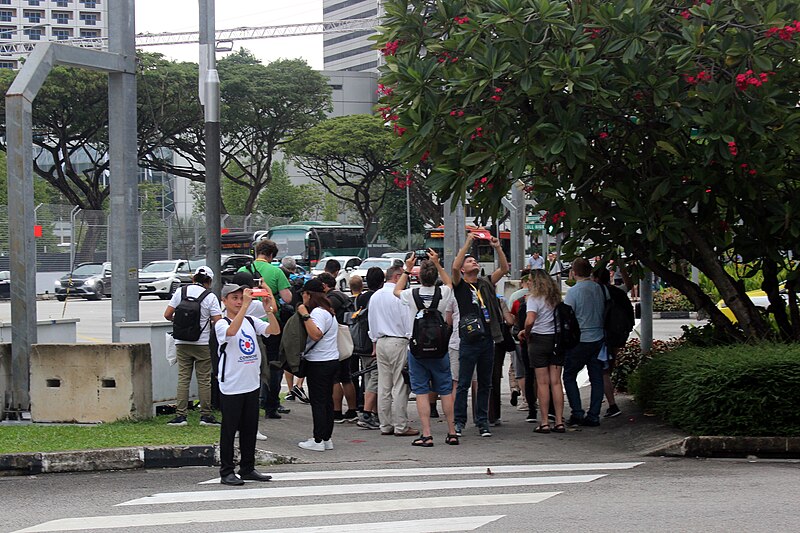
<point x="776" y="304"/>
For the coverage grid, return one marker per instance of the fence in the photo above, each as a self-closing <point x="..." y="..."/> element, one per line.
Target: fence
<point x="66" y="236"/>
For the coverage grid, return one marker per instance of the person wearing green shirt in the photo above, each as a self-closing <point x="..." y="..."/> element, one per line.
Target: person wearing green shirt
<point x="275" y="279"/>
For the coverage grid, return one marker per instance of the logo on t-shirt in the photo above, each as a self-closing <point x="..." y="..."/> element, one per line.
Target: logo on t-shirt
<point x="247" y="345"/>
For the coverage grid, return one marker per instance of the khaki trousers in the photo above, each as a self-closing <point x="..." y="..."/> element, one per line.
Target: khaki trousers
<point x="198" y="357"/>
<point x="393" y="392"/>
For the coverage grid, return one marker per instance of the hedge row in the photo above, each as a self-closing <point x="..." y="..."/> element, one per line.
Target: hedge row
<point x="751" y="390"/>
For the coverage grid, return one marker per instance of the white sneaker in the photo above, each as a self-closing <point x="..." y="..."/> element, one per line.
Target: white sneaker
<point x="260" y="436"/>
<point x="312" y="445"/>
<point x="328" y="444"/>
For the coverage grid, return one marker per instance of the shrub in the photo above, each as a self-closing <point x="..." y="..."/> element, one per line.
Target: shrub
<point x="671" y="299"/>
<point x="630" y="357"/>
<point x="749" y="390"/>
<point x="706" y="335"/>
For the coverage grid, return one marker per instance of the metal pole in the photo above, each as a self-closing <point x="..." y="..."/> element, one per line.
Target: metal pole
<point x="72" y="243"/>
<point x="124" y="219"/>
<point x="209" y="96"/>
<point x="19" y="142"/>
<point x="408" y="215"/>
<point x="646" y="306"/>
<point x="454" y="231"/>
<point x="516" y="208"/>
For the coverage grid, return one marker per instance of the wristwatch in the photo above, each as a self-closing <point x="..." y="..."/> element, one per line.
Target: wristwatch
<point x="305" y="317"/>
<point x="407" y="273"/>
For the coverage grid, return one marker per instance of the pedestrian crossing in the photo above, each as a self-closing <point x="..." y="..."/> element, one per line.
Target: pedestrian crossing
<point x="271" y="504"/>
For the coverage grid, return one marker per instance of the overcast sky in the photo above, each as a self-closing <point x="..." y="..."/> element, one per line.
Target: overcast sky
<point x="156" y="16"/>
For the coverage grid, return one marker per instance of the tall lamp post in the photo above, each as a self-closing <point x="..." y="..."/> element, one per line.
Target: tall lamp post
<point x="209" y="97"/>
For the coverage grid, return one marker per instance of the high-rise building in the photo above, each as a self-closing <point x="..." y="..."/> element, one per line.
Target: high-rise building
<point x="23" y="23"/>
<point x="350" y="51"/>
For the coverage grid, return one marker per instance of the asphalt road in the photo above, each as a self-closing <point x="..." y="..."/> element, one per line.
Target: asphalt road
<point x="656" y="495"/>
<point x="95" y="317"/>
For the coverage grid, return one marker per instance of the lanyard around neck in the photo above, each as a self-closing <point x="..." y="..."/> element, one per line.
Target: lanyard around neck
<point x="477" y="293"/>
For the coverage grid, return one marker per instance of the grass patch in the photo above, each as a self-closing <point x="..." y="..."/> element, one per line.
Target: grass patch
<point x="120" y="434"/>
<point x="745" y="389"/>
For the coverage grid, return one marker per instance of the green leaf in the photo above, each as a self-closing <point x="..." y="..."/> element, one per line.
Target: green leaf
<point x="475" y="158"/>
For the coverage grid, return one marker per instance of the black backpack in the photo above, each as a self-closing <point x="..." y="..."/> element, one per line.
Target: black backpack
<point x="568" y="331"/>
<point x="618" y="320"/>
<point x="359" y="331"/>
<point x="431" y="334"/>
<point x="186" y="320"/>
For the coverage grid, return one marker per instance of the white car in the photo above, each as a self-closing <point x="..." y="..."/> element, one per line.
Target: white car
<point x="381" y="262"/>
<point x="348" y="264"/>
<point x="163" y="278"/>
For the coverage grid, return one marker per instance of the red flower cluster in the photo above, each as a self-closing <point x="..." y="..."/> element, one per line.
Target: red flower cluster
<point x="478" y="133"/>
<point x="528" y="189"/>
<point x="752" y="171"/>
<point x="603" y="135"/>
<point x="460" y="20"/>
<point x="595" y="32"/>
<point x="483" y="182"/>
<point x="724" y="226"/>
<point x="496" y="96"/>
<point x="694" y="80"/>
<point x="384" y="90"/>
<point x="785" y="33"/>
<point x="685" y="14"/>
<point x="401" y="182"/>
<point x="425" y="156"/>
<point x="457" y="113"/>
<point x="444" y="57"/>
<point x="751" y="79"/>
<point x="390" y="48"/>
<point x="387" y="114"/>
<point x="733" y="149"/>
<point x="558" y="216"/>
<point x="638" y="95"/>
<point x="399" y="130"/>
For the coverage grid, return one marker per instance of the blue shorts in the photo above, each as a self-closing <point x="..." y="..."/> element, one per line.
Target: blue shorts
<point x="430" y="375"/>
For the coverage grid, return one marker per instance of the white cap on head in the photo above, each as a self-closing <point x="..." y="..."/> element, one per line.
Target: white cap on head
<point x="206" y="271"/>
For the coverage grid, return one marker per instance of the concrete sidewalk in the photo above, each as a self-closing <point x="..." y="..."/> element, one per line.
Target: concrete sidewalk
<point x="630" y="436"/>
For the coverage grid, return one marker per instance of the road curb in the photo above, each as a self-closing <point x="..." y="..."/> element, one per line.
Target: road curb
<point x="28" y="464"/>
<point x="707" y="446"/>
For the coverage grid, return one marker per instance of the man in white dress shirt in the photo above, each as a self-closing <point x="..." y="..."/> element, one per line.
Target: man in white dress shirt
<point x="390" y="329"/>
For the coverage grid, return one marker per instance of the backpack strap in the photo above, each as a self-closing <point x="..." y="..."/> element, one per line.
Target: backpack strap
<point x="223" y="356"/>
<point x="417" y="299"/>
<point x="437" y="297"/>
<point x="200" y="299"/>
<point x="184" y="292"/>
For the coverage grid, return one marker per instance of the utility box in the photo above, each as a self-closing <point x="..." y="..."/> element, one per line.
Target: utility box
<point x="89" y="383"/>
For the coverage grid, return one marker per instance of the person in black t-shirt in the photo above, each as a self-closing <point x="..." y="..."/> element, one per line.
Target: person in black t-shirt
<point x="479" y="329"/>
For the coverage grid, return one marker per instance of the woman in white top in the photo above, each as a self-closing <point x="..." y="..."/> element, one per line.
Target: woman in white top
<point x="322" y="362"/>
<point x="540" y="333"/>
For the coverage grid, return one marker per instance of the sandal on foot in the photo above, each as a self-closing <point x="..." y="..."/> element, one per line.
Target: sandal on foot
<point x="542" y="429"/>
<point x="451" y="439"/>
<point x="560" y="428"/>
<point x="425" y="442"/>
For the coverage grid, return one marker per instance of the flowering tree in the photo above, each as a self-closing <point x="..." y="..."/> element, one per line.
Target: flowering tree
<point x="668" y="128"/>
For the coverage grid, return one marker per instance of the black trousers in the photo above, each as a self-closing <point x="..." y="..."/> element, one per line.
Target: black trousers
<point x="320" y="376"/>
<point x="239" y="413"/>
<point x="272" y="390"/>
<point x="497" y="378"/>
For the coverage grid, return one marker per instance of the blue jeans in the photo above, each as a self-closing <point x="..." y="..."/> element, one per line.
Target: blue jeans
<point x="584" y="354"/>
<point x="471" y="354"/>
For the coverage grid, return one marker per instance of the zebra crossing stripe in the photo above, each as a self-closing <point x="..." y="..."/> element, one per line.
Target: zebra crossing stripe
<point x="283" y="512"/>
<point x="361" y="488"/>
<point x="445" y="471"/>
<point x="433" y="525"/>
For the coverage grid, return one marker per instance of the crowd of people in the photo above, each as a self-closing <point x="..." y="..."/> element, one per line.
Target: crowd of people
<point x="444" y="340"/>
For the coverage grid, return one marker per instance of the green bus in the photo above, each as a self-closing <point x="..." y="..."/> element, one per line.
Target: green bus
<point x="310" y="241"/>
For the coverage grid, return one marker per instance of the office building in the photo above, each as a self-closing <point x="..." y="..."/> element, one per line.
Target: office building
<point x="350" y="51"/>
<point x="23" y="23"/>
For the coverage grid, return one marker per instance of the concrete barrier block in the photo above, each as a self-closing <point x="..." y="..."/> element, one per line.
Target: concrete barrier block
<point x="89" y="383"/>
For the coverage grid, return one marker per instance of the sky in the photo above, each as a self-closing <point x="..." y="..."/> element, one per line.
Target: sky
<point x="156" y="16"/>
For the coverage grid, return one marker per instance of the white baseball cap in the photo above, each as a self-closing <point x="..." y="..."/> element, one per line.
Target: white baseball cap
<point x="206" y="271"/>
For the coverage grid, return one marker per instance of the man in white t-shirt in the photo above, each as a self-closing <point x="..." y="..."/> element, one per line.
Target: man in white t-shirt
<point x="429" y="375"/>
<point x="195" y="354"/>
<point x="240" y="379"/>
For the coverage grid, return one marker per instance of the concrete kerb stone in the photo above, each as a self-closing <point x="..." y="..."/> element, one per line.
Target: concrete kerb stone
<point x="710" y="446"/>
<point x="27" y="464"/>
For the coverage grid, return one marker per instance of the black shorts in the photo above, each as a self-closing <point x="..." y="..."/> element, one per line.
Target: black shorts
<point x="541" y="351"/>
<point x="343" y="376"/>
